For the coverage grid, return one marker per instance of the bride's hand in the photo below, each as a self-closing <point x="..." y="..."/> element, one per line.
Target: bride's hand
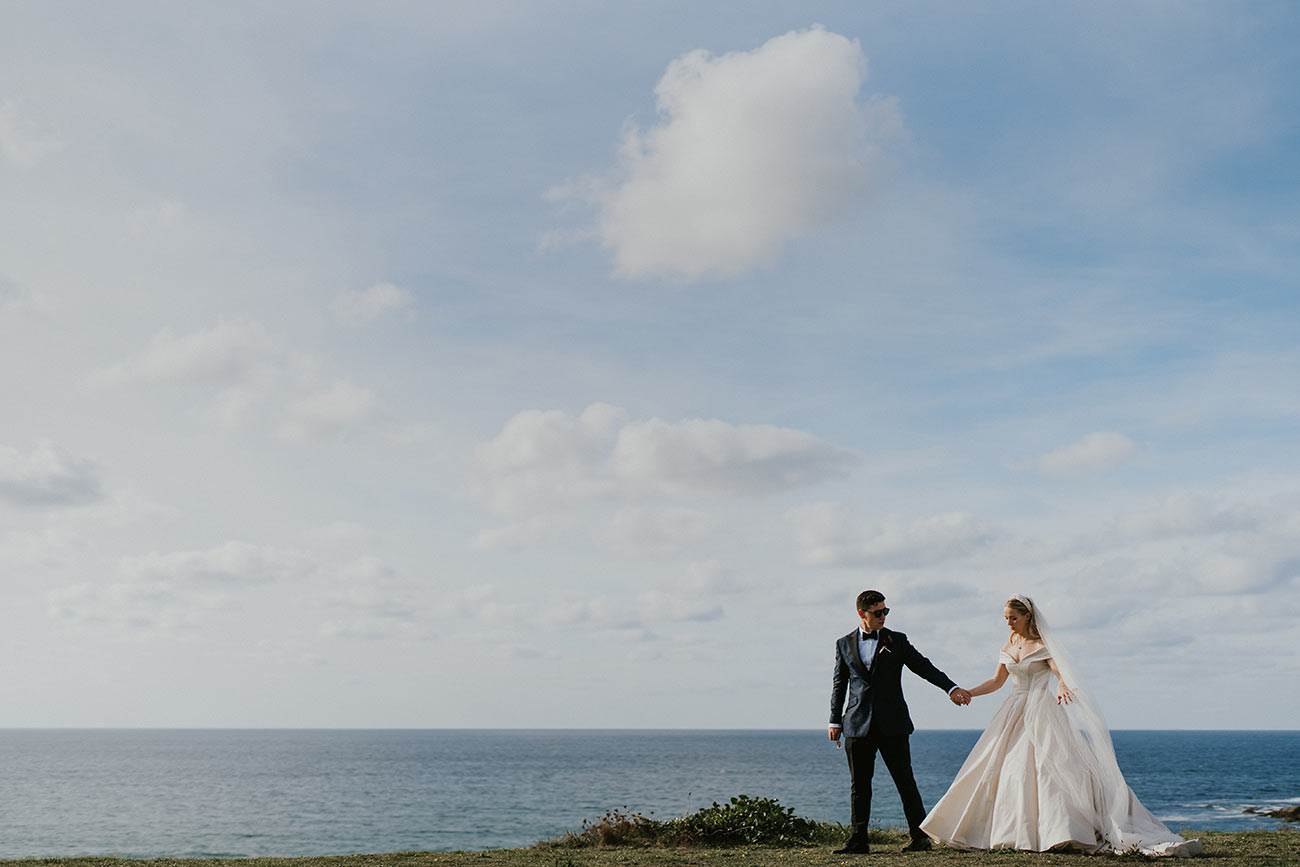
<point x="1064" y="695"/>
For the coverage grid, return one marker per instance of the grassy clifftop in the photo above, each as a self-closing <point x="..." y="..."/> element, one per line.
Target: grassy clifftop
<point x="1222" y="849"/>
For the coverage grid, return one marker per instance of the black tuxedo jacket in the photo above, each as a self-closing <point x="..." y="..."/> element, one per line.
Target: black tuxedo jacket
<point x="875" y="686"/>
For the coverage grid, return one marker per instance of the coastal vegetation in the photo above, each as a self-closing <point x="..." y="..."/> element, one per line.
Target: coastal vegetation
<point x="744" y="820"/>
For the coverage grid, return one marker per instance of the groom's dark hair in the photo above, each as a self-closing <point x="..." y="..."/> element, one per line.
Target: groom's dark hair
<point x="867" y="598"/>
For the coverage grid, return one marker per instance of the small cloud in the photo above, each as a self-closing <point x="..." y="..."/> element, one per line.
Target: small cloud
<point x="71" y="602"/>
<point x="662" y="607"/>
<point x="20" y="142"/>
<point x="48" y="476"/>
<point x="340" y="534"/>
<point x="1186" y="514"/>
<point x="546" y="456"/>
<point x="753" y="149"/>
<point x="606" y="612"/>
<point x="828" y="535"/>
<point x="658" y="529"/>
<point x="357" y="630"/>
<point x="356" y="308"/>
<point x="176" y="592"/>
<point x="159" y="216"/>
<point x="511" y="537"/>
<point x="231" y="563"/>
<point x="227" y="352"/>
<point x="535" y="438"/>
<point x="232" y="405"/>
<point x="340" y="410"/>
<point x="711" y="578"/>
<point x="11" y="296"/>
<point x="1101" y="450"/>
<point x="369" y="590"/>
<point x="707" y="454"/>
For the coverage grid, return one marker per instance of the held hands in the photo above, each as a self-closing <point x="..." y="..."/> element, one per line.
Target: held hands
<point x="1063" y="694"/>
<point x="960" y="697"/>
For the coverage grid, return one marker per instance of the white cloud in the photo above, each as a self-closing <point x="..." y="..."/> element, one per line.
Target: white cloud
<point x="10" y="294"/>
<point x="48" y="476"/>
<point x="342" y="409"/>
<point x="252" y="369"/>
<point x="1250" y="564"/>
<point x="139" y="606"/>
<point x="753" y="149"/>
<point x="711" y="578"/>
<point x="536" y="438"/>
<point x="369" y="599"/>
<point x="662" y="530"/>
<point x="545" y="456"/>
<point x="340" y="534"/>
<point x="829" y="535"/>
<point x="1101" y="450"/>
<point x="703" y="454"/>
<point x="658" y="606"/>
<point x="1186" y="514"/>
<point x="20" y="142"/>
<point x="232" y="563"/>
<point x="227" y="352"/>
<point x="363" y="629"/>
<point x="511" y="537"/>
<point x="232" y="405"/>
<point x="639" y="612"/>
<point x="159" y="216"/>
<point x="160" y="592"/>
<point x="354" y="308"/>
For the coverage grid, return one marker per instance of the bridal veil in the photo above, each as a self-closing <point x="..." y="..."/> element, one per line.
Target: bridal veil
<point x="1124" y="824"/>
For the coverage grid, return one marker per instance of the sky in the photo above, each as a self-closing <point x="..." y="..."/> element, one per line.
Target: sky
<point x="575" y="364"/>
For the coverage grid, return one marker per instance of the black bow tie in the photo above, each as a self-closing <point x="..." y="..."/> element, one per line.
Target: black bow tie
<point x="872" y="635"/>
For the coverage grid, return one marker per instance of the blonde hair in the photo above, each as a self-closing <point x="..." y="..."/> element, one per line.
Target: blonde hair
<point x="1025" y="611"/>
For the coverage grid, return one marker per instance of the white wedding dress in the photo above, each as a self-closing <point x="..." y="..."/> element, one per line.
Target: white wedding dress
<point x="1035" y="780"/>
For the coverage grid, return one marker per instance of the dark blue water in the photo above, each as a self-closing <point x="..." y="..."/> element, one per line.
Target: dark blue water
<point x="260" y="793"/>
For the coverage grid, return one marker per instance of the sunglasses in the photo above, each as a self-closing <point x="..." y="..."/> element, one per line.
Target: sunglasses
<point x="879" y="612"/>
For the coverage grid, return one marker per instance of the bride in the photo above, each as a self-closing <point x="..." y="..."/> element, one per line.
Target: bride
<point x="1043" y="775"/>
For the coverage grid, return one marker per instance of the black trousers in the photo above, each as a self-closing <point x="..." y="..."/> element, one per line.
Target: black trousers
<point x="897" y="754"/>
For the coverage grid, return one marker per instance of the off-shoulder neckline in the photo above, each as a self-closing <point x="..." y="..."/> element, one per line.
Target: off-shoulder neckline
<point x="1033" y="652"/>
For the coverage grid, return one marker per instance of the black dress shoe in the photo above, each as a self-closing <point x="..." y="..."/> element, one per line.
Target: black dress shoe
<point x="852" y="848"/>
<point x="919" y="844"/>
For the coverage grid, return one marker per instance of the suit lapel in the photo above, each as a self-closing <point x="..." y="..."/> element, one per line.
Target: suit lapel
<point x="856" y="653"/>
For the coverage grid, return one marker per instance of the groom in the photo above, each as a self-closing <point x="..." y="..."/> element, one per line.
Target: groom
<point x="868" y="667"/>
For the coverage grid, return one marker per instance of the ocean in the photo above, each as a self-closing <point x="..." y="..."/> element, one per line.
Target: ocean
<point x="208" y="793"/>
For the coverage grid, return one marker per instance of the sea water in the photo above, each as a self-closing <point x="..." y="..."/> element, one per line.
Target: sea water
<point x="196" y="793"/>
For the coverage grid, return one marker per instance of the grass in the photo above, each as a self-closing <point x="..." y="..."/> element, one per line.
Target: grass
<point x="1222" y="849"/>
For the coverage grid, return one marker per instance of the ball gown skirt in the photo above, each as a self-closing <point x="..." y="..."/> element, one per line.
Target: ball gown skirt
<point x="1031" y="782"/>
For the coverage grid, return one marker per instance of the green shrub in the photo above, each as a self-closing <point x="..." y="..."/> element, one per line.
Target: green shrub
<point x="742" y="821"/>
<point x="754" y="821"/>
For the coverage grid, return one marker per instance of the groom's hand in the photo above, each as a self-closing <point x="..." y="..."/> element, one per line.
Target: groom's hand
<point x="834" y="732"/>
<point x="960" y="697"/>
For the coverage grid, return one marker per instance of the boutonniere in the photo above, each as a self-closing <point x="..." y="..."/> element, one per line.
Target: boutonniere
<point x="885" y="640"/>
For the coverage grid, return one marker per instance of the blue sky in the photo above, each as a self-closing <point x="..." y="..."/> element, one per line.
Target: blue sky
<point x="577" y="364"/>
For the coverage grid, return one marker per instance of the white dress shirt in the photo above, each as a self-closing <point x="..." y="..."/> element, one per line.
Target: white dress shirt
<point x="867" y="647"/>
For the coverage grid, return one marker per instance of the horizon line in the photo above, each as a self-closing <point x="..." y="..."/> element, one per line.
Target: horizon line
<point x="594" y="729"/>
